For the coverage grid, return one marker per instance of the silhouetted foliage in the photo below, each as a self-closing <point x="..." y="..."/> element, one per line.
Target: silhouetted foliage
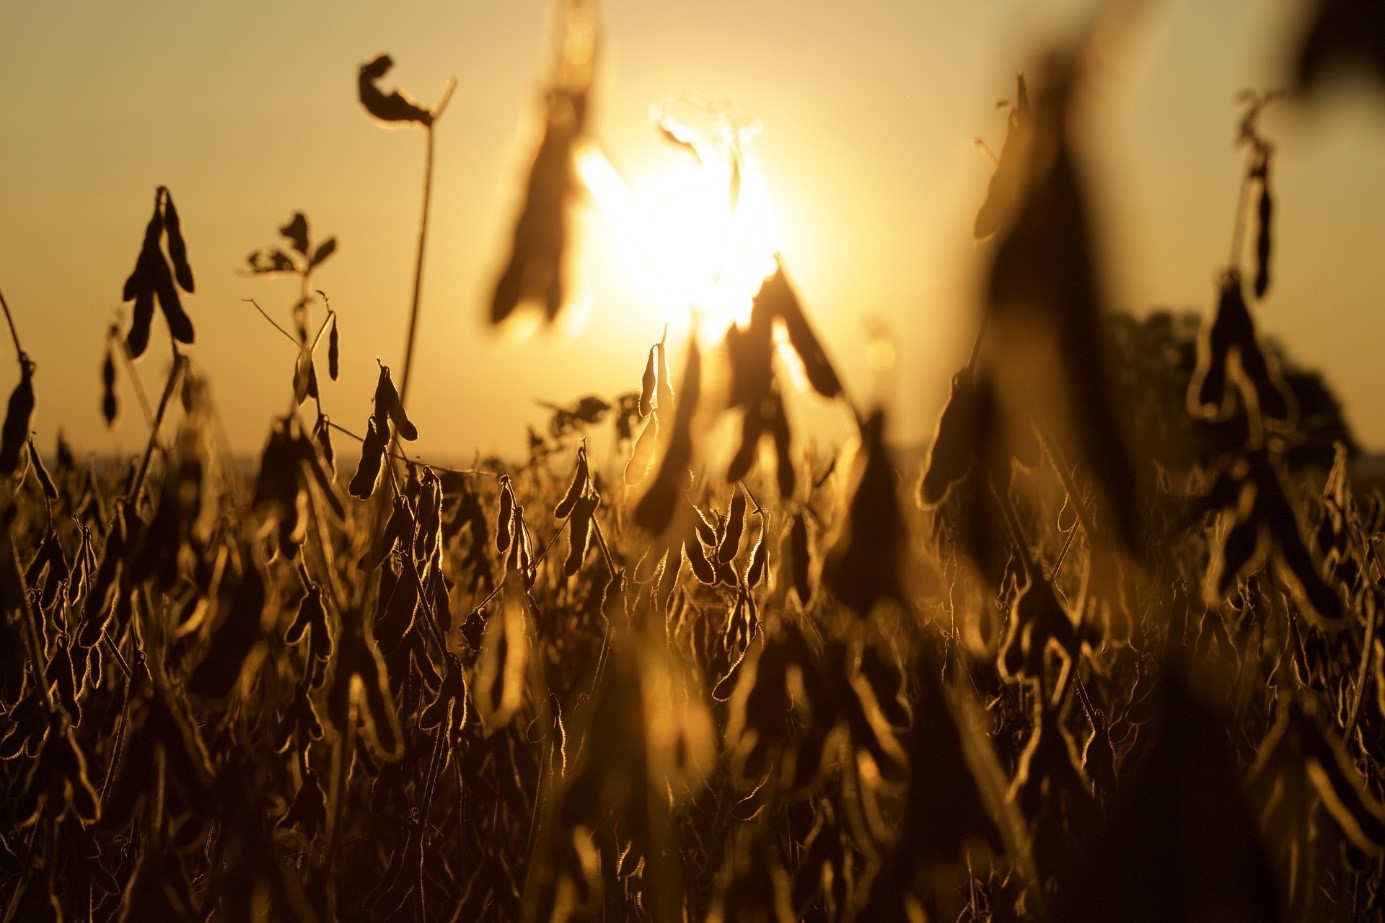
<point x="1080" y="678"/>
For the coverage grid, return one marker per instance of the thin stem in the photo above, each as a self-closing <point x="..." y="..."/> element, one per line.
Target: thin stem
<point x="411" y="336"/>
<point x="133" y="374"/>
<point x="31" y="635"/>
<point x="1062" y="553"/>
<point x="179" y="364"/>
<point x="275" y="324"/>
<point x="1069" y="484"/>
<point x="1363" y="673"/>
<point x="1238" y="229"/>
<point x="416" y="461"/>
<point x="538" y="559"/>
<point x="976" y="343"/>
<point x="605" y="549"/>
<point x="9" y="319"/>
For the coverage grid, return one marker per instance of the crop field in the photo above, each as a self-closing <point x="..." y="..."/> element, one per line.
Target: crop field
<point x="1111" y="649"/>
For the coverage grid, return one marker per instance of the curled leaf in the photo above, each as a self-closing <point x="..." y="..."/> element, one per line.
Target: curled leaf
<point x="397" y="106"/>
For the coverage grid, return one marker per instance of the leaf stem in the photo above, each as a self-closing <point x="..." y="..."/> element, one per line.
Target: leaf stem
<point x="275" y="324"/>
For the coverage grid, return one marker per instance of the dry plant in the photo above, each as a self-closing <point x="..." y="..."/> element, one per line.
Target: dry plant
<point x="1046" y="676"/>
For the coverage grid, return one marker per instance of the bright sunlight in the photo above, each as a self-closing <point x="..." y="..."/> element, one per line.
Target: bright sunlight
<point x="704" y="227"/>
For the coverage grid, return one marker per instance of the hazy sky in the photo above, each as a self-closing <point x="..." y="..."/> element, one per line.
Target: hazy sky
<point x="248" y="112"/>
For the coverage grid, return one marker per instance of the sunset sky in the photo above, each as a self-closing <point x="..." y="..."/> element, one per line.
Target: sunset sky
<point x="248" y="112"/>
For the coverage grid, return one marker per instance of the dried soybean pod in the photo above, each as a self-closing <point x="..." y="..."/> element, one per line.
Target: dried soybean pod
<point x="705" y="530"/>
<point x="45" y="479"/>
<point x="16" y="429"/>
<point x="108" y="404"/>
<point x="647" y="385"/>
<point x="179" y="324"/>
<point x="383" y="389"/>
<point x="665" y="389"/>
<point x="643" y="454"/>
<point x="372" y="454"/>
<point x="1243" y="550"/>
<point x="398" y="528"/>
<point x="528" y="566"/>
<point x="799" y="558"/>
<point x="752" y="428"/>
<point x="1207" y="389"/>
<point x="735" y="525"/>
<point x="1271" y="394"/>
<point x="817" y="368"/>
<point x="1263" y="241"/>
<point x="785" y="473"/>
<point x="138" y="338"/>
<point x="951" y="455"/>
<point x="580" y="535"/>
<point x="576" y="488"/>
<point x="322" y="432"/>
<point x="697" y="557"/>
<point x="505" y="519"/>
<point x="177" y="249"/>
<point x="333" y="353"/>
<point x="235" y="638"/>
<point x="1003" y="191"/>
<point x="668" y="577"/>
<point x="140" y="278"/>
<point x="656" y="508"/>
<point x="309" y="613"/>
<point x="387" y="406"/>
<point x="759" y="556"/>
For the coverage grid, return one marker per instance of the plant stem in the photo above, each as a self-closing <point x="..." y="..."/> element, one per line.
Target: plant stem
<point x="1060" y="465"/>
<point x="174" y="376"/>
<point x="133" y="374"/>
<point x="416" y="461"/>
<point x="9" y="319"/>
<point x="1363" y="673"/>
<point x="31" y="634"/>
<point x="410" y="337"/>
<point x="275" y="324"/>
<point x="1238" y="229"/>
<point x="975" y="354"/>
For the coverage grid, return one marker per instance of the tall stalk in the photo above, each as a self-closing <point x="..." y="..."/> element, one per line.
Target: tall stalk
<point x="410" y="336"/>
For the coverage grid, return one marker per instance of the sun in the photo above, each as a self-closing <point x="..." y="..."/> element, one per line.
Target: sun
<point x="703" y="225"/>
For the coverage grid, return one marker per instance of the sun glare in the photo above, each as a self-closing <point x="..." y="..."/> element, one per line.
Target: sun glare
<point x="704" y="227"/>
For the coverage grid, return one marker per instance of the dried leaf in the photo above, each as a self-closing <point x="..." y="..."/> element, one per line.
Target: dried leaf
<point x="297" y="233"/>
<point x="397" y="106"/>
<point x="324" y="250"/>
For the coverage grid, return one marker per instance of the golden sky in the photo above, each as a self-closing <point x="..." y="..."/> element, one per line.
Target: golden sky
<point x="248" y="112"/>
